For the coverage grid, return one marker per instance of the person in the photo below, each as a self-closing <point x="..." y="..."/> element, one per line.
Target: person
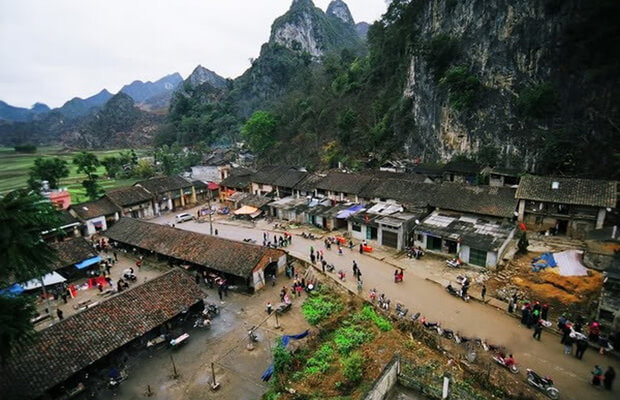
<point x="372" y="295"/>
<point x="269" y="307"/>
<point x="610" y="375"/>
<point x="339" y="249"/>
<point x="566" y="330"/>
<point x="64" y="297"/>
<point x="350" y="244"/>
<point x="593" y="331"/>
<point x="562" y="323"/>
<point x="100" y="287"/>
<point x="511" y="307"/>
<point x="582" y="346"/>
<point x="312" y="259"/>
<point x="568" y="345"/>
<point x="483" y="293"/>
<point x="597" y="375"/>
<point x="60" y="314"/>
<point x="509" y="361"/>
<point x="216" y="232"/>
<point x="282" y="293"/>
<point x="323" y="264"/>
<point x="354" y="269"/>
<point x="115" y="255"/>
<point x="225" y="287"/>
<point x="220" y="291"/>
<point x="538" y="330"/>
<point x="359" y="286"/>
<point x="361" y="248"/>
<point x="544" y="311"/>
<point x="299" y="289"/>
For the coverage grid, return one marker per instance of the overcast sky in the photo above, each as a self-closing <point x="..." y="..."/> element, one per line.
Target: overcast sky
<point x="54" y="50"/>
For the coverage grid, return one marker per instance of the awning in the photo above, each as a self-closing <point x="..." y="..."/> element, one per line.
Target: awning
<point x="50" y="279"/>
<point x="212" y="186"/>
<point x="256" y="214"/>
<point x="88" y="262"/>
<point x="12" y="291"/>
<point x="246" y="210"/>
<point x="349" y="211"/>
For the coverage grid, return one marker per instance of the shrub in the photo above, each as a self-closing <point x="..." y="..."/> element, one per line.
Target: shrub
<point x="353" y="368"/>
<point x="281" y="359"/>
<point x="318" y="307"/>
<point x="538" y="101"/>
<point x="350" y="337"/>
<point x="463" y="87"/>
<point x="368" y="314"/>
<point x="440" y="51"/>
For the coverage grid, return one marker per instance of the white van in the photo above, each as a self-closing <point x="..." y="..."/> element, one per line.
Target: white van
<point x="184" y="217"/>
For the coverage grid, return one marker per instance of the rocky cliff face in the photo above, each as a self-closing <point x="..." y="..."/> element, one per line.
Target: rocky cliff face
<point x="202" y="75"/>
<point x="512" y="48"/>
<point x="306" y="28"/>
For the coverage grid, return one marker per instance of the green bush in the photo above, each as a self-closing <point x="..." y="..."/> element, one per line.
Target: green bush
<point x="368" y="314"/>
<point x="318" y="307"/>
<point x="538" y="101"/>
<point x="281" y="359"/>
<point x="351" y="337"/>
<point x="463" y="87"/>
<point x="353" y="368"/>
<point x="439" y="53"/>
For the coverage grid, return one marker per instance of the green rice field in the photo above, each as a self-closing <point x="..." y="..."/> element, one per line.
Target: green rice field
<point x="14" y="169"/>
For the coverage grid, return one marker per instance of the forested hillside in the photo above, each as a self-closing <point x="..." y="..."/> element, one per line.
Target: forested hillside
<point x="528" y="84"/>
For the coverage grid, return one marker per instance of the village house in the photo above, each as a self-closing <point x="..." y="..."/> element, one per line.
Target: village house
<point x="387" y="223"/>
<point x="170" y="192"/>
<point x="461" y="171"/>
<point x="134" y="201"/>
<point x="59" y="357"/>
<point x="69" y="225"/>
<point x="341" y="186"/>
<point x="289" y="209"/>
<point x="565" y="206"/>
<point x="243" y="264"/>
<point x="499" y="176"/>
<point x="278" y="181"/>
<point x="474" y="223"/>
<point x="239" y="180"/>
<point x="394" y="166"/>
<point x="95" y="216"/>
<point x="74" y="255"/>
<point x="306" y="187"/>
<point x="215" y="166"/>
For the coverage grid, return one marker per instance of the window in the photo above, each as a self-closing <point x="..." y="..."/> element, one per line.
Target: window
<point x="356" y="227"/>
<point x="478" y="257"/>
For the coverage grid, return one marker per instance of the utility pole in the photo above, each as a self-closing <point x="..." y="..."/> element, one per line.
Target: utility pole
<point x="210" y="213"/>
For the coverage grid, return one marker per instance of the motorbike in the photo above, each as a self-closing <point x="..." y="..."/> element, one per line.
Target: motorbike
<point x="414" y="317"/>
<point x="501" y="360"/>
<point x="454" y="263"/>
<point x="202" y="323"/>
<point x="400" y="310"/>
<point x="249" y="240"/>
<point x="252" y="335"/>
<point x="283" y="307"/>
<point x="210" y="311"/>
<point x="432" y="325"/>
<point x="330" y="267"/>
<point x="308" y="236"/>
<point x="447" y="333"/>
<point x="116" y="378"/>
<point x="543" y="384"/>
<point x="458" y="293"/>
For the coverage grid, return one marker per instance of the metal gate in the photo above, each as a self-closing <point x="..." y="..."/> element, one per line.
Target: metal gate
<point x="389" y="239"/>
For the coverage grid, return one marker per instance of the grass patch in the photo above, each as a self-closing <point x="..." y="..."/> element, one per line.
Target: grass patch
<point x="318" y="306"/>
<point x="320" y="362"/>
<point x="348" y="338"/>
<point x="368" y="313"/>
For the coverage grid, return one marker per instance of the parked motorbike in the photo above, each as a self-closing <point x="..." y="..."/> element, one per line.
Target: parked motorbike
<point x="210" y="311"/>
<point x="414" y="317"/>
<point x="447" y="333"/>
<point x="454" y="263"/>
<point x="308" y="236"/>
<point x="330" y="267"/>
<point x="400" y="310"/>
<point x="543" y="384"/>
<point x="458" y="293"/>
<point x="283" y="307"/>
<point x="510" y="365"/>
<point x="202" y="323"/>
<point x="116" y="378"/>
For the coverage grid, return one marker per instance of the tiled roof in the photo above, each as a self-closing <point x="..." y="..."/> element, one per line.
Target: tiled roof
<point x="229" y="256"/>
<point x="343" y="182"/>
<point x="129" y="196"/>
<point x="463" y="167"/>
<point x="484" y="200"/>
<point x="586" y="192"/>
<point x="406" y="192"/>
<point x="309" y="182"/>
<point x="93" y="209"/>
<point x="164" y="184"/>
<point x="69" y="346"/>
<point x="72" y="251"/>
<point x="403" y="176"/>
<point x="282" y="176"/>
<point x="239" y="178"/>
<point x="66" y="218"/>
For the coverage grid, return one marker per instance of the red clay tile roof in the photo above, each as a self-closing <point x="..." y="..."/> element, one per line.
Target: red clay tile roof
<point x="229" y="256"/>
<point x="69" y="346"/>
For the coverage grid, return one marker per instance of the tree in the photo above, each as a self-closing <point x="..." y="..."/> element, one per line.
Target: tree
<point x="23" y="217"/>
<point x="87" y="163"/>
<point x="259" y="131"/>
<point x="47" y="169"/>
<point x="144" y="169"/>
<point x="113" y="166"/>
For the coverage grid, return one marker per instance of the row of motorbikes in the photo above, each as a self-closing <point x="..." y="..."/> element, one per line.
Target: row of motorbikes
<point x="309" y="235"/>
<point x="542" y="383"/>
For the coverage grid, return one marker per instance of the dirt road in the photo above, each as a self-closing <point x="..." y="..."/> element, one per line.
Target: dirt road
<point x="546" y="357"/>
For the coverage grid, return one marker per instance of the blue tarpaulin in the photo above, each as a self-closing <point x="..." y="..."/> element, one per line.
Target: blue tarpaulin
<point x="12" y="291"/>
<point x="285" y="341"/>
<point x="88" y="262"/>
<point x="349" y="211"/>
<point x="544" y="261"/>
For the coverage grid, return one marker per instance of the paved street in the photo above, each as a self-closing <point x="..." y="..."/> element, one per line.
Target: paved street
<point x="572" y="376"/>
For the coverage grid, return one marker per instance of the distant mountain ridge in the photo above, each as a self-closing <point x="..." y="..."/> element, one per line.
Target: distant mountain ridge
<point x="12" y="113"/>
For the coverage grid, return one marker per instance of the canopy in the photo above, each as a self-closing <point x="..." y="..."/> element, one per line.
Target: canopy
<point x="349" y="211"/>
<point x="88" y="262"/>
<point x="570" y="264"/>
<point x="246" y="210"/>
<point x="12" y="291"/>
<point x="212" y="186"/>
<point x="50" y="279"/>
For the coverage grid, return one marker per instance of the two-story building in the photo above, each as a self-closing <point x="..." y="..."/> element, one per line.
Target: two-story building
<point x="342" y="186"/>
<point x="565" y="206"/>
<point x="278" y="181"/>
<point x="134" y="201"/>
<point x="170" y="192"/>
